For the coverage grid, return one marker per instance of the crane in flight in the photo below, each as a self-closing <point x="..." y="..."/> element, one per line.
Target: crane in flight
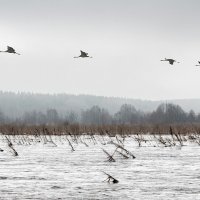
<point x="171" y="61"/>
<point x="83" y="55"/>
<point x="10" y="50"/>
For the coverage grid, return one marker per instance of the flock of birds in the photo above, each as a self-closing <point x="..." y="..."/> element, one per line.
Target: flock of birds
<point x="12" y="50"/>
<point x="85" y="55"/>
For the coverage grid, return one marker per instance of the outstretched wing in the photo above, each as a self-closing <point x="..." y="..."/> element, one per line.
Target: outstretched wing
<point x="83" y="53"/>
<point x="10" y="49"/>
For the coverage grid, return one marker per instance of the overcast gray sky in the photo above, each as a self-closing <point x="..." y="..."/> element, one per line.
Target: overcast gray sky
<point x="127" y="39"/>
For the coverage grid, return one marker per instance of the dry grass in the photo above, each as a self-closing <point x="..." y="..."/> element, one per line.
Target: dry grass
<point x="110" y="130"/>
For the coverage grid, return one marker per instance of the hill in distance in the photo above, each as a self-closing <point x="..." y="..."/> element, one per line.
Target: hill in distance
<point x="15" y="104"/>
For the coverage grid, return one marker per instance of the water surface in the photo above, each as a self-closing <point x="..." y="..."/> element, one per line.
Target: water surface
<point x="45" y="171"/>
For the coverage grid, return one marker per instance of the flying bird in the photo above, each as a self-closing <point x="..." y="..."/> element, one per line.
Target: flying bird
<point x="10" y="50"/>
<point x="83" y="55"/>
<point x="171" y="61"/>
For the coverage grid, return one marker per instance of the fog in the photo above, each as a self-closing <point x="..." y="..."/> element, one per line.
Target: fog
<point x="127" y="40"/>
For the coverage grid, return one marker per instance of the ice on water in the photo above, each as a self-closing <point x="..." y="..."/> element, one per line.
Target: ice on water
<point x="45" y="171"/>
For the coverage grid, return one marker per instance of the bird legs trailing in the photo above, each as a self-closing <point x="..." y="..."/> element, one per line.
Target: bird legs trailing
<point x="171" y="61"/>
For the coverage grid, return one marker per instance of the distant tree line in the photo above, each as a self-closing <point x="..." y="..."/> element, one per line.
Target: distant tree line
<point x="14" y="105"/>
<point x="127" y="115"/>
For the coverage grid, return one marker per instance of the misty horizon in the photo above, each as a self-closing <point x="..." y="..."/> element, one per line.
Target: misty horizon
<point x="99" y="99"/>
<point x="126" y="40"/>
<point x="15" y="105"/>
<point x="94" y="95"/>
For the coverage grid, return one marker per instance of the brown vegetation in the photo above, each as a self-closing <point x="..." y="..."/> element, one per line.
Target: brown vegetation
<point x="111" y="130"/>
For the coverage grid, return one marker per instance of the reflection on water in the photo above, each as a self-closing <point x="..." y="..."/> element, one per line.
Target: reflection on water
<point x="46" y="171"/>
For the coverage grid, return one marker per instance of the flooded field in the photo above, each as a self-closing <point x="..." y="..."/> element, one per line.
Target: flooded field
<point x="49" y="169"/>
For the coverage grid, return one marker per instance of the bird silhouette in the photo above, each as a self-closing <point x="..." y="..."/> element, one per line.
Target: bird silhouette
<point x="171" y="61"/>
<point x="83" y="55"/>
<point x="10" y="50"/>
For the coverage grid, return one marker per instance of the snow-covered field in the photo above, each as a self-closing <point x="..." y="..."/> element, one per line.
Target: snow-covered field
<point x="44" y="170"/>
